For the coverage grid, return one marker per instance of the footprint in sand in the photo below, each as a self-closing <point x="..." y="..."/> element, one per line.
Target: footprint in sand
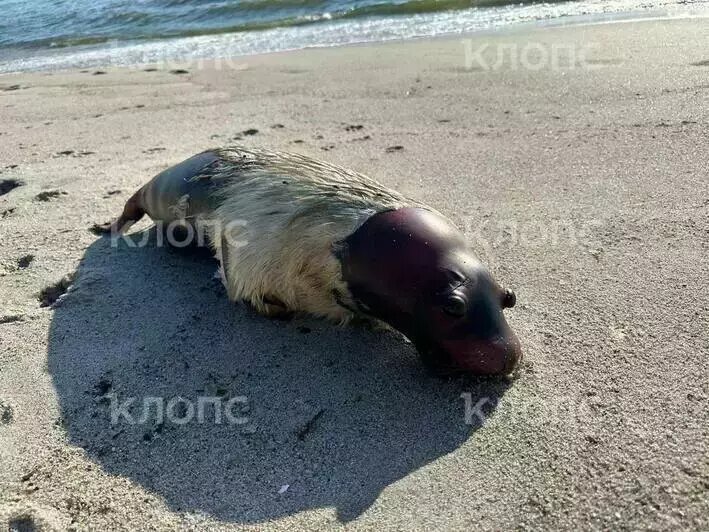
<point x="73" y="153"/>
<point x="6" y="185"/>
<point x="25" y="261"/>
<point x="7" y="413"/>
<point x="29" y="517"/>
<point x="51" y="295"/>
<point x="47" y="195"/>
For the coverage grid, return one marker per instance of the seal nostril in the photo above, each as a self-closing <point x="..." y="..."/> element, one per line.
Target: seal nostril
<point x="509" y="299"/>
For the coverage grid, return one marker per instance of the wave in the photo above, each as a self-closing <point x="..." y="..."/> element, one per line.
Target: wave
<point x="165" y="19"/>
<point x="255" y="37"/>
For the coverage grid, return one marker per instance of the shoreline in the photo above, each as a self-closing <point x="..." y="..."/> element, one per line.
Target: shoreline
<point x="68" y="59"/>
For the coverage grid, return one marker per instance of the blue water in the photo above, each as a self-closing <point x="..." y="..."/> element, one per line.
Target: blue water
<point x="36" y="34"/>
<point x="73" y="22"/>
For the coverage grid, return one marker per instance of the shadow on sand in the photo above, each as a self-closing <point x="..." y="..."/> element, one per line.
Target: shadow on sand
<point x="338" y="414"/>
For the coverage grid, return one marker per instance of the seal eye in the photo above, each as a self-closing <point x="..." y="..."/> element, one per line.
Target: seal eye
<point x="509" y="299"/>
<point x="454" y="306"/>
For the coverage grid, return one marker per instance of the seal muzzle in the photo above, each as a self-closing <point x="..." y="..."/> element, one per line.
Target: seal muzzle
<point x="412" y="269"/>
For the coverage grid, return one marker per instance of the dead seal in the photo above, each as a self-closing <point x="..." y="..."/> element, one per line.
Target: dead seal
<point x="294" y="234"/>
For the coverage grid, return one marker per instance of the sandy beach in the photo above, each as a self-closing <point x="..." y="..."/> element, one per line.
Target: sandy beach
<point x="575" y="158"/>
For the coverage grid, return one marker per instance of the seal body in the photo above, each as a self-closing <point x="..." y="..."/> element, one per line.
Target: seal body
<point x="298" y="235"/>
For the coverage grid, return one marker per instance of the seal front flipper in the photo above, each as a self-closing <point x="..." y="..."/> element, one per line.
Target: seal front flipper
<point x="272" y="307"/>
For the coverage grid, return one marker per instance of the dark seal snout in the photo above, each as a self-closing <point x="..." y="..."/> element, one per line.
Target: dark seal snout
<point x="480" y="341"/>
<point x="412" y="269"/>
<point x="492" y="356"/>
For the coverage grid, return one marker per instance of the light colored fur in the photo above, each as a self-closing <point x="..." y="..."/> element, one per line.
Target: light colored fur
<point x="279" y="217"/>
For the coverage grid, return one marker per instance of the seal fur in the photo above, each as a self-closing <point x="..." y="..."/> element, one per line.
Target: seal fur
<point x="294" y="211"/>
<point x="273" y="219"/>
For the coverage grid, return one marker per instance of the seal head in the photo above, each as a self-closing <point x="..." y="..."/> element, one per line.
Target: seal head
<point x="412" y="269"/>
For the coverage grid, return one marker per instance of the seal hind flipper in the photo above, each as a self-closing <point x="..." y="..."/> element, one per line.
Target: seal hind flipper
<point x="132" y="212"/>
<point x="183" y="191"/>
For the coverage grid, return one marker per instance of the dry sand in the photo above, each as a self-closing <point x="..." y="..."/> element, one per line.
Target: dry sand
<point x="584" y="188"/>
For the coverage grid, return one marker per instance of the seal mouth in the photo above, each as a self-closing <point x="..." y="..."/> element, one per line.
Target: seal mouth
<point x="440" y="370"/>
<point x="498" y="357"/>
<point x="514" y="362"/>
